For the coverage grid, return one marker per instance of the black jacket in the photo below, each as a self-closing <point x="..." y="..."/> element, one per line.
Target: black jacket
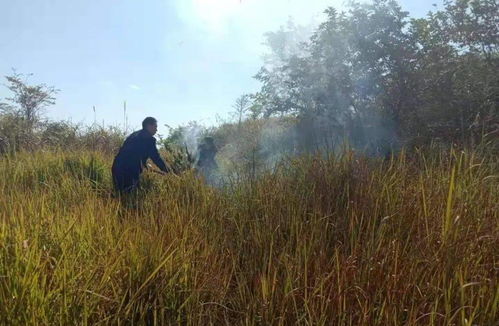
<point x="135" y="151"/>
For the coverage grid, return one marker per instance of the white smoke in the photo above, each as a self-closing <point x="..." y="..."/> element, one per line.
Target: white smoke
<point x="191" y="136"/>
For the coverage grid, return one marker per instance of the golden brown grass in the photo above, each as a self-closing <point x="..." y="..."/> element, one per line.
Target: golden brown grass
<point x="342" y="240"/>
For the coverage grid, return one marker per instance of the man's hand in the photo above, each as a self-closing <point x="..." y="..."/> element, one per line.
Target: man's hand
<point x="159" y="171"/>
<point x="166" y="173"/>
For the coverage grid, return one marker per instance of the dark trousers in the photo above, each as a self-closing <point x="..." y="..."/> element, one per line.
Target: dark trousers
<point x="125" y="181"/>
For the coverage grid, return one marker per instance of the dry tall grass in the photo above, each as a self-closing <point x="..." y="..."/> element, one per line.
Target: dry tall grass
<point x="322" y="241"/>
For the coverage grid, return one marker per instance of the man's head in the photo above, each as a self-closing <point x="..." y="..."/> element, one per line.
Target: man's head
<point x="208" y="143"/>
<point x="208" y="140"/>
<point x="150" y="125"/>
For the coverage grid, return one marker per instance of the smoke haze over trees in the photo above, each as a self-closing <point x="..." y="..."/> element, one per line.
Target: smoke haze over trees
<point x="378" y="78"/>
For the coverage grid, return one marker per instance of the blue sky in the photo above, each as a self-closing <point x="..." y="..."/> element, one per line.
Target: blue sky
<point x="177" y="60"/>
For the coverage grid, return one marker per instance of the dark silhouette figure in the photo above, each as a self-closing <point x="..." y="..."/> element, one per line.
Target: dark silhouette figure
<point x="132" y="157"/>
<point x="205" y="163"/>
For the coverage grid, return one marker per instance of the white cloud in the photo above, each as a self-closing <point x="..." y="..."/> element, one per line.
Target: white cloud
<point x="134" y="87"/>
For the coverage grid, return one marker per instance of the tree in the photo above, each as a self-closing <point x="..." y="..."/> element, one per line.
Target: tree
<point x="27" y="101"/>
<point x="474" y="25"/>
<point x="240" y="106"/>
<point x="283" y="70"/>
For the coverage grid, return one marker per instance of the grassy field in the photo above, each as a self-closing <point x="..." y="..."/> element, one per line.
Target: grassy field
<point x="346" y="240"/>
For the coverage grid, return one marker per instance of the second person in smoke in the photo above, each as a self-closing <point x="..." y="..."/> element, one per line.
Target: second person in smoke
<point x="133" y="155"/>
<point x="205" y="163"/>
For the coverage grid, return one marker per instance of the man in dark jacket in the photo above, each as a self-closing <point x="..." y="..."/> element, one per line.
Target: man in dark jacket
<point x="133" y="154"/>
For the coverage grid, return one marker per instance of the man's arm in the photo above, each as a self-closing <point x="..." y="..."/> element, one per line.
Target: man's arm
<point x="154" y="155"/>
